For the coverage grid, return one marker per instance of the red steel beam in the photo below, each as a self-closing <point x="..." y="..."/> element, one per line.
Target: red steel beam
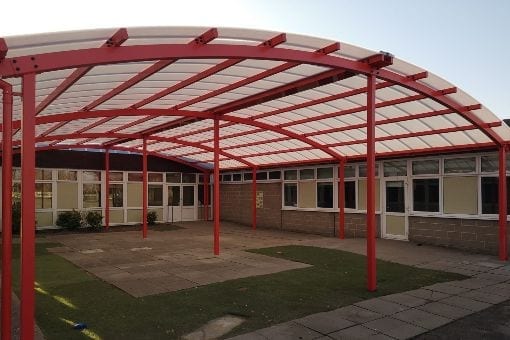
<point x="502" y="205"/>
<point x="6" y="295"/>
<point x="27" y="292"/>
<point x="371" y="225"/>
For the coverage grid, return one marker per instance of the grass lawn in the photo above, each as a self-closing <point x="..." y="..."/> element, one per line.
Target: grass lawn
<point x="66" y="294"/>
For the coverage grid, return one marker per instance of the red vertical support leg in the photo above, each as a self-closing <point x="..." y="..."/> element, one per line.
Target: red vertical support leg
<point x="206" y="196"/>
<point x="144" y="189"/>
<point x="371" y="262"/>
<point x="254" y="200"/>
<point x="6" y="212"/>
<point x="27" y="309"/>
<point x="216" y="202"/>
<point x="341" y="200"/>
<point x="503" y="251"/>
<point x="107" y="190"/>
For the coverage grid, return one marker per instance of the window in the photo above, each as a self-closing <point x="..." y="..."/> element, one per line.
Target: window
<point x="324" y="173"/>
<point x="227" y="178"/>
<point x="155" y="195"/>
<point x="491" y="163"/>
<point x="173" y="177"/>
<point x="362" y="169"/>
<point x="349" y="171"/>
<point x="262" y="176"/>
<point x="91" y="176"/>
<point x="201" y="194"/>
<point x="236" y="177"/>
<point x="41" y="174"/>
<point x="459" y="165"/>
<point x="395" y="168"/>
<point x="43" y="195"/>
<point x="116" y="176"/>
<point x="188" y="196"/>
<point x="490" y="195"/>
<point x="91" y="195"/>
<point x="395" y="196"/>
<point x="248" y="176"/>
<point x="16" y="174"/>
<point x="275" y="174"/>
<point x="154" y="177"/>
<point x="428" y="167"/>
<point x="290" y="194"/>
<point x="189" y="178"/>
<point x="325" y="195"/>
<point x="16" y="192"/>
<point x="350" y="194"/>
<point x="67" y="175"/>
<point x="290" y="175"/>
<point x="115" y="195"/>
<point x="426" y="194"/>
<point x="135" y="177"/>
<point x="306" y="174"/>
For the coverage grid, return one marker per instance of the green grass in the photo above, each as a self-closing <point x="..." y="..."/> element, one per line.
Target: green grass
<point x="337" y="278"/>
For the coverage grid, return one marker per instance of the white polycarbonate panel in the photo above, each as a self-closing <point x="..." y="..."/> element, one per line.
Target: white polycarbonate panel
<point x="73" y="126"/>
<point x="42" y="128"/>
<point x="98" y="141"/>
<point x="115" y="123"/>
<point x="161" y="146"/>
<point x="185" y="150"/>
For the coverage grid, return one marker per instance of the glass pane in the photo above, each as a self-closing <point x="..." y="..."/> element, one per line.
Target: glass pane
<point x="91" y="195"/>
<point x="459" y="165"/>
<point x="290" y="194"/>
<point x="395" y="196"/>
<point x="16" y="192"/>
<point x="91" y="176"/>
<point x="395" y="168"/>
<point x="200" y="195"/>
<point x="67" y="175"/>
<point x="41" y="174"/>
<point x="325" y="195"/>
<point x="248" y="176"/>
<point x="189" y="178"/>
<point x="275" y="174"/>
<point x="262" y="176"/>
<point x="350" y="195"/>
<point x="324" y="173"/>
<point x="290" y="175"/>
<point x="200" y="178"/>
<point x="174" y="196"/>
<point x="490" y="195"/>
<point x="428" y="167"/>
<point x="236" y="177"/>
<point x="115" y="195"/>
<point x="306" y="174"/>
<point x="490" y="163"/>
<point x="16" y="174"/>
<point x="154" y="177"/>
<point x="43" y="195"/>
<point x="426" y="194"/>
<point x="155" y="195"/>
<point x="227" y="178"/>
<point x="188" y="196"/>
<point x="116" y="176"/>
<point x="362" y="170"/>
<point x="349" y="171"/>
<point x="135" y="177"/>
<point x="173" y="177"/>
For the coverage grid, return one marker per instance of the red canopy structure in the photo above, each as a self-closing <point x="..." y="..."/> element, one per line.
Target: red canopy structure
<point x="222" y="99"/>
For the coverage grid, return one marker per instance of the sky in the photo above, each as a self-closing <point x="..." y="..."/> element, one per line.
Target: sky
<point x="467" y="42"/>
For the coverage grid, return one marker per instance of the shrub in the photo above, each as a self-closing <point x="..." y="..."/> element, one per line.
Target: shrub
<point x="16" y="217"/>
<point x="93" y="219"/>
<point x="152" y="216"/>
<point x="69" y="219"/>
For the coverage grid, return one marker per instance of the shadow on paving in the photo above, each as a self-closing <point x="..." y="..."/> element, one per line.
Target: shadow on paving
<point x="492" y="323"/>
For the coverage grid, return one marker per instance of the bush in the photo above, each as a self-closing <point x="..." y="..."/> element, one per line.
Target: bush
<point x="16" y="217"/>
<point x="152" y="216"/>
<point x="93" y="219"/>
<point x="69" y="220"/>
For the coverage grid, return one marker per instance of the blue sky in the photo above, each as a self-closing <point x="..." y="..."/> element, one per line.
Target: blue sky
<point x="465" y="41"/>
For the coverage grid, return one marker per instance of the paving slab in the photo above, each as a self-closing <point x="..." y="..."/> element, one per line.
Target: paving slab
<point x="484" y="297"/>
<point x="405" y="299"/>
<point x="445" y="310"/>
<point x="358" y="332"/>
<point x="395" y="328"/>
<point x="446" y="288"/>
<point x="324" y="323"/>
<point x="472" y="283"/>
<point x="381" y="306"/>
<point x="466" y="303"/>
<point x="421" y="318"/>
<point x="356" y="314"/>
<point x="427" y="294"/>
<point x="288" y="330"/>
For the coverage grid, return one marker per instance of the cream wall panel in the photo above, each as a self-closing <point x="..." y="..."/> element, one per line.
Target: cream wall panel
<point x="307" y="195"/>
<point x="460" y="195"/>
<point x="362" y="194"/>
<point x="67" y="195"/>
<point x="134" y="194"/>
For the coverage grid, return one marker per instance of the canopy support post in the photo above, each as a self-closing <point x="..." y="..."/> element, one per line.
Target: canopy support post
<point x="254" y="199"/>
<point x="107" y="189"/>
<point x="503" y="252"/>
<point x="144" y="189"/>
<point x="206" y="196"/>
<point x="216" y="202"/>
<point x="341" y="199"/>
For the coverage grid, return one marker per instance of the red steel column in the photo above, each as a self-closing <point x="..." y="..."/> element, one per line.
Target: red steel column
<point x="503" y="252"/>
<point x="216" y="202"/>
<point x="254" y="199"/>
<point x="6" y="211"/>
<point x="206" y="196"/>
<point x="27" y="299"/>
<point x="341" y="200"/>
<point x="144" y="189"/>
<point x="107" y="190"/>
<point x="371" y="261"/>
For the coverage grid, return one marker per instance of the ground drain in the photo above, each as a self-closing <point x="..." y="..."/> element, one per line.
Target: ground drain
<point x="215" y="328"/>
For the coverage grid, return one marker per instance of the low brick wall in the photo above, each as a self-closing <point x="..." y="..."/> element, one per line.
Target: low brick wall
<point x="467" y="234"/>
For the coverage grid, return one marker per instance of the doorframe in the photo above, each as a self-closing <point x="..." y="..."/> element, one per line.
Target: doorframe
<point x="407" y="208"/>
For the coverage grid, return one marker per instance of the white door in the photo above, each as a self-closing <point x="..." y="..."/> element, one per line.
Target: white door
<point x="395" y="210"/>
<point x="189" y="206"/>
<point x="174" y="203"/>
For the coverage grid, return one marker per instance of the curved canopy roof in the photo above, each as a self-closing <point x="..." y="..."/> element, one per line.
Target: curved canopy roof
<point x="281" y="99"/>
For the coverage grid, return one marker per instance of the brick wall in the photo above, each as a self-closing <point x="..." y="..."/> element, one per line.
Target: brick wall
<point x="468" y="234"/>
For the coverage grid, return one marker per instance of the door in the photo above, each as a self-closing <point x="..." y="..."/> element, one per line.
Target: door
<point x="188" y="203"/>
<point x="395" y="211"/>
<point x="174" y="203"/>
